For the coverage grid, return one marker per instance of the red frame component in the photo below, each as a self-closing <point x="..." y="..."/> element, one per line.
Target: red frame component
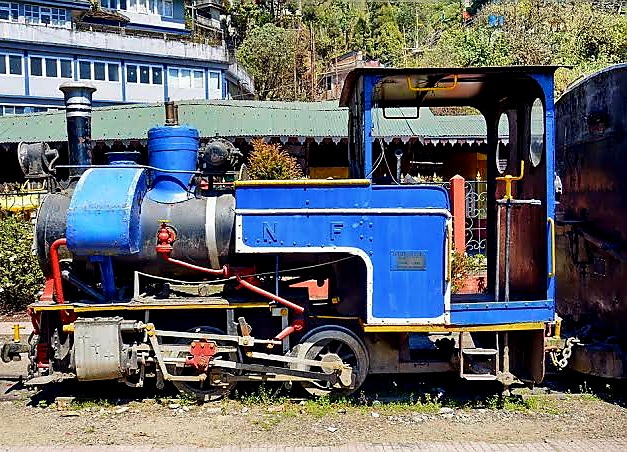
<point x="202" y="353"/>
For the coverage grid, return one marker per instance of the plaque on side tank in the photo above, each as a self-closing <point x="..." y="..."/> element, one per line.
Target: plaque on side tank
<point x="408" y="260"/>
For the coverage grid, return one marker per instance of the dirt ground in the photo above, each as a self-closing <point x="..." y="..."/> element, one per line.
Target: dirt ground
<point x="256" y="421"/>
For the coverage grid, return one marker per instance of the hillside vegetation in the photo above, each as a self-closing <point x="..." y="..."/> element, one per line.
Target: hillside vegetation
<point x="280" y="47"/>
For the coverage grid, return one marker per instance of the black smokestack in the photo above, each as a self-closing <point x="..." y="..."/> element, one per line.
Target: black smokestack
<point x="78" y="98"/>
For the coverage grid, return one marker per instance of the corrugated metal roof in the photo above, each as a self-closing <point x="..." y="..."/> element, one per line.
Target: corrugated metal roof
<point x="241" y="119"/>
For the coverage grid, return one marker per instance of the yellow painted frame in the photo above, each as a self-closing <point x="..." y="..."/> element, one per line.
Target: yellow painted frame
<point x="451" y="328"/>
<point x="303" y="183"/>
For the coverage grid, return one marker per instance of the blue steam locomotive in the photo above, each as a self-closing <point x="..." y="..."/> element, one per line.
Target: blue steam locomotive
<point x="157" y="272"/>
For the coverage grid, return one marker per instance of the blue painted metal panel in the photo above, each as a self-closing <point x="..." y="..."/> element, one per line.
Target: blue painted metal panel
<point x="498" y="313"/>
<point x="377" y="196"/>
<point x="103" y="217"/>
<point x="407" y="250"/>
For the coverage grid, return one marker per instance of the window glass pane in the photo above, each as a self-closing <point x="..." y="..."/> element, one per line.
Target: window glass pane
<point x="104" y="3"/>
<point x="173" y="78"/>
<point x="3" y="64"/>
<point x="84" y="70"/>
<point x="122" y="4"/>
<point x="36" y="68"/>
<point x="99" y="71"/>
<point x="185" y="78"/>
<point x="198" y="79"/>
<point x="114" y="72"/>
<point x="168" y="10"/>
<point x="214" y="82"/>
<point x="44" y="15"/>
<point x="4" y="11"/>
<point x="144" y="74"/>
<point x="131" y="73"/>
<point x="66" y="68"/>
<point x="15" y="12"/>
<point x="51" y="67"/>
<point x="152" y="7"/>
<point x="157" y="75"/>
<point x="15" y="64"/>
<point x="19" y="110"/>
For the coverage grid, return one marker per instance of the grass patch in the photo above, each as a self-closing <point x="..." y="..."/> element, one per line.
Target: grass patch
<point x="83" y="404"/>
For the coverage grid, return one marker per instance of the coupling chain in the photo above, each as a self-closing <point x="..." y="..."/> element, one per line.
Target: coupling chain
<point x="560" y="358"/>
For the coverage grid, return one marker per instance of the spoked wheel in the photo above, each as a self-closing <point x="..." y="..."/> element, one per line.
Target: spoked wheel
<point x="210" y="389"/>
<point x="330" y="344"/>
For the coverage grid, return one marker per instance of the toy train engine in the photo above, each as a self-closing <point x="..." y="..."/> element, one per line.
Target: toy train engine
<point x="169" y="272"/>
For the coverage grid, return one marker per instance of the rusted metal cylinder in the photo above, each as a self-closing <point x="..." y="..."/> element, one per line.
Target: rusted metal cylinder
<point x="78" y="101"/>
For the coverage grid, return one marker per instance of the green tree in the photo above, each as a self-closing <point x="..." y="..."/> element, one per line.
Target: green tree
<point x="389" y="43"/>
<point x="277" y="59"/>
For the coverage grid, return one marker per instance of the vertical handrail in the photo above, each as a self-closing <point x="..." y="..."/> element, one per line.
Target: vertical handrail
<point x="552" y="226"/>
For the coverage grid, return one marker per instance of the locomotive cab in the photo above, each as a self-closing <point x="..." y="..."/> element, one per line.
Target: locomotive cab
<point x="170" y="272"/>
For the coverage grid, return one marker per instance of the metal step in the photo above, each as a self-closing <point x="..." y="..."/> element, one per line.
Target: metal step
<point x="479" y="377"/>
<point x="480" y="351"/>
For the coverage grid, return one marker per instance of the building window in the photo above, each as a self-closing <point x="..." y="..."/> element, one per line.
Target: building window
<point x="36" y="66"/>
<point x="214" y="78"/>
<point x="100" y="72"/>
<point x="9" y="110"/>
<point x="199" y="79"/>
<point x="51" y="67"/>
<point x="9" y="11"/>
<point x="66" y="69"/>
<point x="59" y="17"/>
<point x="144" y="74"/>
<point x="45" y="15"/>
<point x="157" y="76"/>
<point x="84" y="70"/>
<point x="15" y="65"/>
<point x="3" y="64"/>
<point x="186" y="78"/>
<point x="31" y="13"/>
<point x="131" y="73"/>
<point x="114" y="72"/>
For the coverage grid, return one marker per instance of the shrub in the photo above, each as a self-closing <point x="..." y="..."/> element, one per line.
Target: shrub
<point x="20" y="275"/>
<point x="270" y="162"/>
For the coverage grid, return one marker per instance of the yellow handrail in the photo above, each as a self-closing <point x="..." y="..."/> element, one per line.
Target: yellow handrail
<point x="435" y="88"/>
<point x="509" y="179"/>
<point x="552" y="224"/>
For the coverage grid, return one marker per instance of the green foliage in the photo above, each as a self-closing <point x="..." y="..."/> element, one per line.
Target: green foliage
<point x="270" y="162"/>
<point x="20" y="275"/>
<point x="464" y="266"/>
<point x="268" y="53"/>
<point x="535" y="32"/>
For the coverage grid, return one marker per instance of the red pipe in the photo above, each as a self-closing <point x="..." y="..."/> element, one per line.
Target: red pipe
<point x="271" y="296"/>
<point x="56" y="269"/>
<point x="222" y="272"/>
<point x="297" y="325"/>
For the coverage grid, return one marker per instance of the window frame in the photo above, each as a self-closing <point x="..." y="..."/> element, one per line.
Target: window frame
<point x="150" y="67"/>
<point x="8" y="64"/>
<point x="41" y="65"/>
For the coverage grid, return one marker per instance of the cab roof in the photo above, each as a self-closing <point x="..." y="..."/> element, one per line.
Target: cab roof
<point x="454" y="86"/>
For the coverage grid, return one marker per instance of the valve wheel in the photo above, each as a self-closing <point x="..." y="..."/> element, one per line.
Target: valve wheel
<point x="208" y="390"/>
<point x="330" y="344"/>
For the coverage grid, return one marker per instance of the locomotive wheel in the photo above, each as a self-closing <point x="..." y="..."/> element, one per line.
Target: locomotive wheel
<point x="204" y="391"/>
<point x="328" y="344"/>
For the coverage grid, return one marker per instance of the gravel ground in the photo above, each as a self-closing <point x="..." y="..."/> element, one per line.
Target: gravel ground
<point x="172" y="422"/>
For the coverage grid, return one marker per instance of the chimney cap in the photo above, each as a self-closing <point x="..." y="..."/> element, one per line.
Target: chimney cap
<point x="67" y="86"/>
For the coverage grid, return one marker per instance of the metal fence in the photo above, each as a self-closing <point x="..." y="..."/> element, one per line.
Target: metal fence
<point x="476" y="216"/>
<point x="23" y="202"/>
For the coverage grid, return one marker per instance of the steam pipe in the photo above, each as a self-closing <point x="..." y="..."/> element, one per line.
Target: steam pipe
<point x="78" y="101"/>
<point x="56" y="269"/>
